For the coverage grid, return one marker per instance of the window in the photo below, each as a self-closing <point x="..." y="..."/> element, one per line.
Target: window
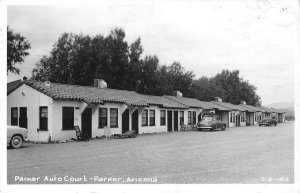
<point x="145" y="118"/>
<point x="190" y="117"/>
<point x="162" y="117"/>
<point x="68" y="118"/>
<point x="43" y="118"/>
<point x="232" y="117"/>
<point x="14" y="116"/>
<point x="102" y="120"/>
<point x="194" y="117"/>
<point x="113" y="117"/>
<point x="181" y="118"/>
<point x="152" y="117"/>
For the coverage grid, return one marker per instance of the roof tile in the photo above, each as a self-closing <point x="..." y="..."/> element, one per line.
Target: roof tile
<point x="91" y="94"/>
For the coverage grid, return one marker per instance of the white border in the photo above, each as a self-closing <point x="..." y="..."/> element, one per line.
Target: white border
<point x="128" y="187"/>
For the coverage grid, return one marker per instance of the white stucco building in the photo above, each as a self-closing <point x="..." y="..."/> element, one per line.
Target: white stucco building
<point x="51" y="110"/>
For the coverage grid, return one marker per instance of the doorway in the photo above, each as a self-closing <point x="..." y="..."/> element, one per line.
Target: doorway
<point x="238" y="120"/>
<point x="86" y="122"/>
<point x="175" y="120"/>
<point x="135" y="121"/>
<point x="170" y="121"/>
<point x="125" y="121"/>
<point x="23" y="117"/>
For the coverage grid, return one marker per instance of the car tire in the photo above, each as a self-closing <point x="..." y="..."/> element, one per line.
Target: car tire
<point x="223" y="128"/>
<point x="199" y="129"/>
<point x="212" y="129"/>
<point x="16" y="141"/>
<point x="259" y="125"/>
<point x="275" y="124"/>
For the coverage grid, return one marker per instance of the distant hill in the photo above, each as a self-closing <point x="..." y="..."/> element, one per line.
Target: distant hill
<point x="285" y="107"/>
<point x="282" y="105"/>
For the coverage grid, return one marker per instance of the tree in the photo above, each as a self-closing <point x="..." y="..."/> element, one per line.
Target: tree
<point x="79" y="59"/>
<point x="135" y="65"/>
<point x="17" y="47"/>
<point x="179" y="79"/>
<point x="227" y="85"/>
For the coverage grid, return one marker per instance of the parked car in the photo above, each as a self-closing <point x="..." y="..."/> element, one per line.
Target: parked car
<point x="16" y="136"/>
<point x="268" y="122"/>
<point x="211" y="122"/>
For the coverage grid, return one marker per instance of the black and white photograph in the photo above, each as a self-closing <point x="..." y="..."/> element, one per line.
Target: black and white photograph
<point x="135" y="94"/>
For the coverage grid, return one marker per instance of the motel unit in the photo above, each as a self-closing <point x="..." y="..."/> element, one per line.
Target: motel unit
<point x="280" y="115"/>
<point x="253" y="114"/>
<point x="199" y="108"/>
<point x="236" y="113"/>
<point x="50" y="110"/>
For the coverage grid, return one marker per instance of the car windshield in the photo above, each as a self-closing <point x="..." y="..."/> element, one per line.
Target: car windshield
<point x="208" y="118"/>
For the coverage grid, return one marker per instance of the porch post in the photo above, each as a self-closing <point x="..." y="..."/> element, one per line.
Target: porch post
<point x="82" y="107"/>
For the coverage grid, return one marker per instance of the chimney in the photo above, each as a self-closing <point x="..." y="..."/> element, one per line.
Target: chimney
<point x="218" y="99"/>
<point x="100" y="83"/>
<point x="177" y="93"/>
<point x="243" y="103"/>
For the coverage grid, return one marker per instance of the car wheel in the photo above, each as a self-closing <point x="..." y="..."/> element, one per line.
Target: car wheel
<point x="223" y="128"/>
<point x="259" y="125"/>
<point x="199" y="129"/>
<point x="212" y="129"/>
<point x="16" y="141"/>
<point x="275" y="124"/>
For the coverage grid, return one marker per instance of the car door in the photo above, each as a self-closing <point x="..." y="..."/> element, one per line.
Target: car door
<point x="214" y="123"/>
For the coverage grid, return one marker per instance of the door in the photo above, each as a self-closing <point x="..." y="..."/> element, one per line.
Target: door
<point x="135" y="121"/>
<point x="125" y="121"/>
<point x="238" y="120"/>
<point x="86" y="122"/>
<point x="23" y="117"/>
<point x="170" y="121"/>
<point x="248" y="118"/>
<point x="175" y="120"/>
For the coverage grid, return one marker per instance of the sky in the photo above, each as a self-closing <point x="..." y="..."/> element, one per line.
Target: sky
<point x="258" y="38"/>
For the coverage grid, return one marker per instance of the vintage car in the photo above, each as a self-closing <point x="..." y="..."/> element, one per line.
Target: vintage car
<point x="268" y="122"/>
<point x="211" y="122"/>
<point x="16" y="136"/>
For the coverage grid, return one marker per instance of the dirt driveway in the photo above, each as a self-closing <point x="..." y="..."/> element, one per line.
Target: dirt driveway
<point x="238" y="155"/>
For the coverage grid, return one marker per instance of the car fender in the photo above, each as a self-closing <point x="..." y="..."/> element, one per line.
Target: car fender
<point x="15" y="130"/>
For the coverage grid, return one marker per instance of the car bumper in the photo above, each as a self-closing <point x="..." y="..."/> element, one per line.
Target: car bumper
<point x="204" y="127"/>
<point x="264" y="123"/>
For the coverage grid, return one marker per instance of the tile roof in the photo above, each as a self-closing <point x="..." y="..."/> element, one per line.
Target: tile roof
<point x="91" y="94"/>
<point x="265" y="109"/>
<point x="251" y="108"/>
<point x="271" y="110"/>
<point x="163" y="102"/>
<point x="219" y="107"/>
<point x="189" y="102"/>
<point x="11" y="86"/>
<point x="95" y="95"/>
<point x="230" y="106"/>
<point x="276" y="110"/>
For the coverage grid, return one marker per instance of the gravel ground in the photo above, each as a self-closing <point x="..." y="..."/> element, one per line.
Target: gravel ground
<point x="238" y="155"/>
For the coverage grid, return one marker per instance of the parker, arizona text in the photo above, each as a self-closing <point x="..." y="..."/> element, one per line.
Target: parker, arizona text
<point x="84" y="178"/>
